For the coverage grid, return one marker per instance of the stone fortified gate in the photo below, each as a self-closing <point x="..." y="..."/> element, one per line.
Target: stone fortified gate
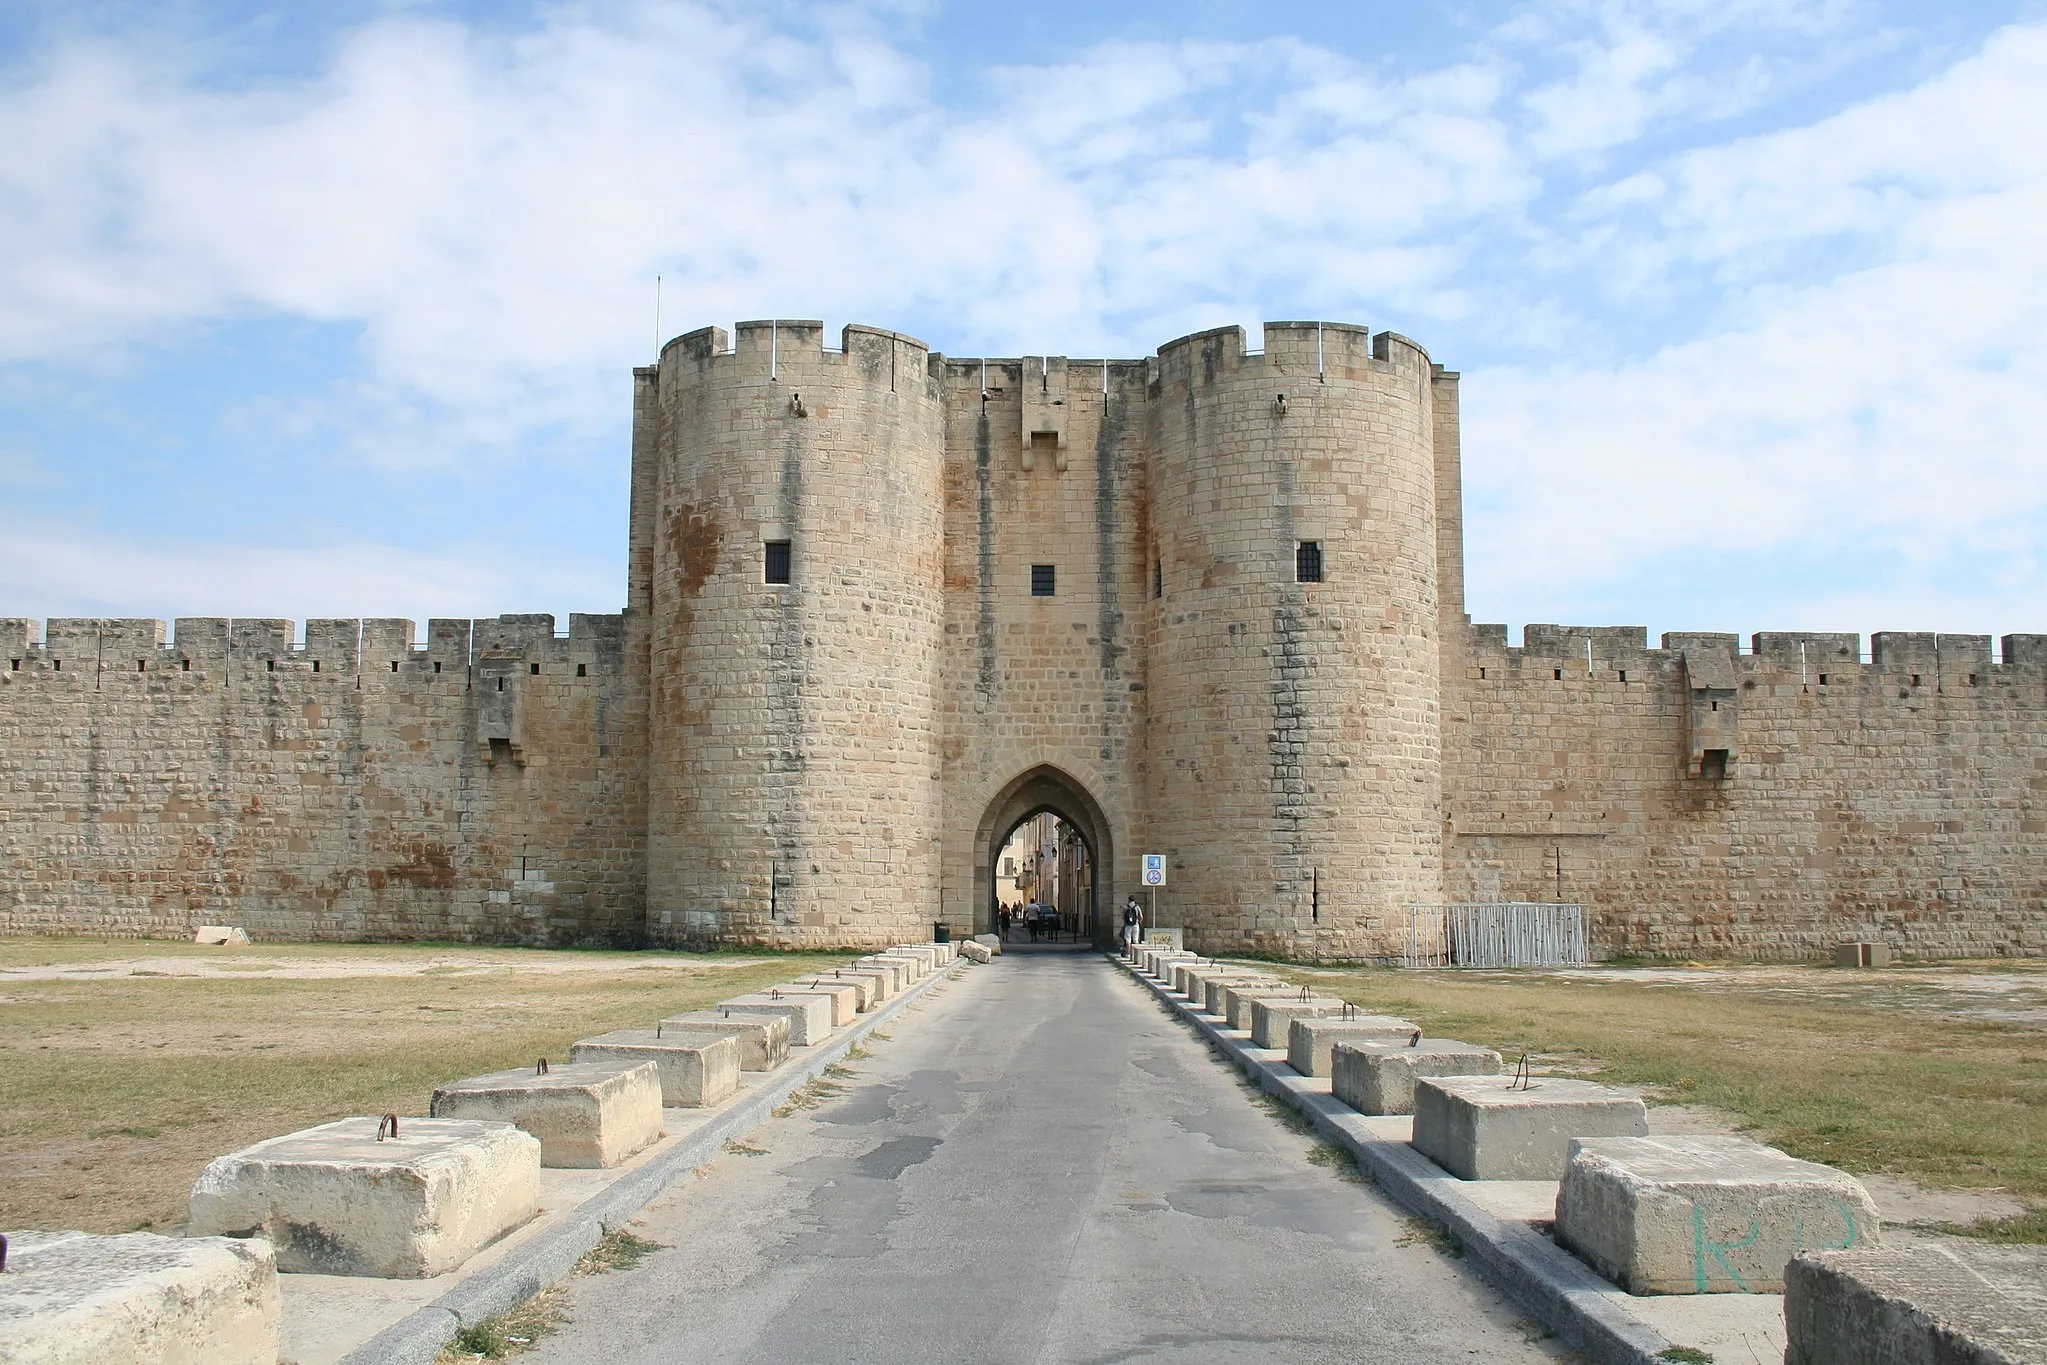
<point x="884" y="605"/>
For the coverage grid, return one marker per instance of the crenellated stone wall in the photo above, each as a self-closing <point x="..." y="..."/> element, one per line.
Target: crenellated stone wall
<point x="837" y="760"/>
<point x="1902" y="799"/>
<point x="353" y="786"/>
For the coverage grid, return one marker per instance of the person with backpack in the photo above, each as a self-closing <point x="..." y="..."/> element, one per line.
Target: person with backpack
<point x="1133" y="921"/>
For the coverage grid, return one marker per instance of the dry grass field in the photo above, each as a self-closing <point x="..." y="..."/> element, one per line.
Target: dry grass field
<point x="1938" y="1075"/>
<point x="125" y="1067"/>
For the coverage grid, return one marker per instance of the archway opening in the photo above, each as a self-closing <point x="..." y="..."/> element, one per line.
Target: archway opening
<point x="1045" y="882"/>
<point x="1047" y="830"/>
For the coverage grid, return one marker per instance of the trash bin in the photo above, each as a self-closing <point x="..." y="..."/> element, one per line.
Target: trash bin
<point x="941" y="932"/>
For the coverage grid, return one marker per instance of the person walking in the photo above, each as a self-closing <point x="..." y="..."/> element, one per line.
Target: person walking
<point x="1005" y="924"/>
<point x="1133" y="921"/>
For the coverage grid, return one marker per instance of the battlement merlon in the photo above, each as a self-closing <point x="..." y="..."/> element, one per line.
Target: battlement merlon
<point x="1295" y="352"/>
<point x="1946" y="656"/>
<point x="788" y="348"/>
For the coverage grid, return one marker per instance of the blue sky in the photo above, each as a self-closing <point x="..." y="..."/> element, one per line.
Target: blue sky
<point x="330" y="310"/>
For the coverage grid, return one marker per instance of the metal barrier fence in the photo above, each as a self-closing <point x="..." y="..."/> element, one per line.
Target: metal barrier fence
<point x="1496" y="934"/>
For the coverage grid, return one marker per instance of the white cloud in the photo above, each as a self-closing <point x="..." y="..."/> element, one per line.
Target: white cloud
<point x="1860" y="362"/>
<point x="1896" y="401"/>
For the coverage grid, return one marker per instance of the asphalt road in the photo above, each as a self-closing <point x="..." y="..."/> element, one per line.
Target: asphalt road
<point x="1038" y="1165"/>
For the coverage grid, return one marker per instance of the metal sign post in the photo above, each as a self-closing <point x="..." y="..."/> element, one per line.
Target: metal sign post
<point x="1154" y="877"/>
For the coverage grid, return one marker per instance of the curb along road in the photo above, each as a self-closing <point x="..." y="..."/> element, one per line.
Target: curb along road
<point x="418" y="1338"/>
<point x="1560" y="1290"/>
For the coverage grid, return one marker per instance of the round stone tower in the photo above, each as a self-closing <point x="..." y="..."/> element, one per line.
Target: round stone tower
<point x="793" y="769"/>
<point x="1293" y="745"/>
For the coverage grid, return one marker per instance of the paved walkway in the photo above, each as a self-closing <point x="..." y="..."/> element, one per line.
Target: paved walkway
<point x="1037" y="1166"/>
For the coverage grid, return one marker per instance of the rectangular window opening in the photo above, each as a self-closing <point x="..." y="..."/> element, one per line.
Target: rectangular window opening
<point x="1308" y="562"/>
<point x="437" y="665"/>
<point x="775" y="561"/>
<point x="270" y="665"/>
<point x="394" y="665"/>
<point x="57" y="664"/>
<point x="1624" y="675"/>
<point x="1823" y="680"/>
<point x="501" y="684"/>
<point x="1481" y="673"/>
<point x="142" y="666"/>
<point x="316" y="665"/>
<point x="17" y="665"/>
<point x="1972" y="680"/>
<point x="1158" y="578"/>
<point x="533" y="670"/>
<point x="1915" y="680"/>
<point x="1044" y="580"/>
<point x="1713" y="764"/>
<point x="500" y="750"/>
<point x="582" y="670"/>
<point x="1557" y="673"/>
<point x="188" y="665"/>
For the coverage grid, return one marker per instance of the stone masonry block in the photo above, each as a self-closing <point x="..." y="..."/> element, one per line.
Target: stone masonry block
<point x="587" y="1115"/>
<point x="1485" y="1128"/>
<point x="763" y="1039"/>
<point x="902" y="973"/>
<point x="865" y="988"/>
<point x="696" y="1069"/>
<point x="1212" y="999"/>
<point x="844" y="995"/>
<point x="1238" y="999"/>
<point x="1271" y="1019"/>
<point x="975" y="952"/>
<point x="1704" y="1215"/>
<point x="1310" y="1042"/>
<point x="1378" y="1078"/>
<point x="72" y="1298"/>
<point x="335" y="1201"/>
<point x="809" y="1016"/>
<point x="881" y="982"/>
<point x="1926" y="1303"/>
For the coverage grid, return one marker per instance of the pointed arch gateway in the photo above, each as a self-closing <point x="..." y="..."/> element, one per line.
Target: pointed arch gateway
<point x="1034" y="792"/>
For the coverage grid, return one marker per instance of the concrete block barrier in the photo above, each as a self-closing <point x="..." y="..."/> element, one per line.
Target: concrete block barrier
<point x="1310" y="1043"/>
<point x="880" y="983"/>
<point x="975" y="952"/>
<point x="586" y="1115"/>
<point x="1930" y="1303"/>
<point x="929" y="957"/>
<point x="903" y="972"/>
<point x="1704" y="1215"/>
<point x="334" y="1200"/>
<point x="1379" y="1078"/>
<point x="992" y="942"/>
<point x="809" y="1015"/>
<point x="1272" y="1020"/>
<point x="763" y="1039"/>
<point x="844" y="995"/>
<point x="73" y="1298"/>
<point x="1488" y="1128"/>
<point x="1238" y="998"/>
<point x="696" y="1069"/>
<point x="1216" y="989"/>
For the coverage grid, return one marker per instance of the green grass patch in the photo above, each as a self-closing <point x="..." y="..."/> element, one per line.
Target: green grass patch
<point x="1940" y="1100"/>
<point x="115" y="1092"/>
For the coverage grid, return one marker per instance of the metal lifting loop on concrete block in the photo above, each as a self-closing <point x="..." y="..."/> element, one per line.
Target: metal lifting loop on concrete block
<point x="389" y="1121"/>
<point x="540" y="1069"/>
<point x="3" y="1253"/>
<point x="1415" y="1041"/>
<point x="1524" y="1079"/>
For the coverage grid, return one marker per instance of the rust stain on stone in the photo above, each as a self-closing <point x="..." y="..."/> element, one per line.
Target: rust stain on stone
<point x="426" y="865"/>
<point x="693" y="541"/>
